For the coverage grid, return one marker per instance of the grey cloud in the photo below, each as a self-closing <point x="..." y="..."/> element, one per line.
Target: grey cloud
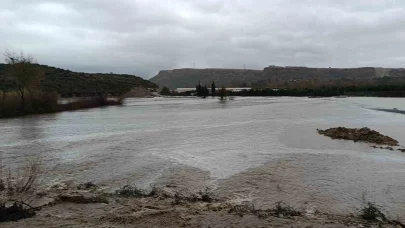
<point x="144" y="36"/>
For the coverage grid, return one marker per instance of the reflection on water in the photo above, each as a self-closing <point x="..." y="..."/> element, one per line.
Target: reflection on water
<point x="250" y="146"/>
<point x="30" y="129"/>
<point x="23" y="139"/>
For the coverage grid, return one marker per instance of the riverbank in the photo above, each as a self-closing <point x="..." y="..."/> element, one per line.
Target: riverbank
<point x="88" y="205"/>
<point x="44" y="103"/>
<point x="181" y="198"/>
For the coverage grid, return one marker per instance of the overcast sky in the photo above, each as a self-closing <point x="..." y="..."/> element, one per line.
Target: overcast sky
<point x="144" y="36"/>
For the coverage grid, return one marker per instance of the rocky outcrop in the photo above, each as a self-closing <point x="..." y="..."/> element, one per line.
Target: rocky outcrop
<point x="188" y="78"/>
<point x="270" y="76"/>
<point x="359" y="134"/>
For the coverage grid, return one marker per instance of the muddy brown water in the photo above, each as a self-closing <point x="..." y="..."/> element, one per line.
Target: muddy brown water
<point x="250" y="149"/>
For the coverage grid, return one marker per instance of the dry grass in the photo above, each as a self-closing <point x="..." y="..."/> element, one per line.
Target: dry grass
<point x="21" y="180"/>
<point x="16" y="189"/>
<point x="26" y="177"/>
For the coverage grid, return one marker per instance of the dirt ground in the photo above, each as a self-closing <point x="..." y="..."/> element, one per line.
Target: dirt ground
<point x="247" y="199"/>
<point x="81" y="209"/>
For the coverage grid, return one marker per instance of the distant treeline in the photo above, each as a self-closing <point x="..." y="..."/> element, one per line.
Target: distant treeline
<point x="68" y="83"/>
<point x="377" y="91"/>
<point x="327" y="91"/>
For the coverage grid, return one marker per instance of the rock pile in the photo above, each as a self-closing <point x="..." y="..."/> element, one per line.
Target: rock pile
<point x="359" y="134"/>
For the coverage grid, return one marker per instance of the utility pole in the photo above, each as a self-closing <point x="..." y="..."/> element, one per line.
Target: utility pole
<point x="193" y="65"/>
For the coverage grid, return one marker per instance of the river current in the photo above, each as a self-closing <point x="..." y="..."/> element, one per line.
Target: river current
<point x="258" y="149"/>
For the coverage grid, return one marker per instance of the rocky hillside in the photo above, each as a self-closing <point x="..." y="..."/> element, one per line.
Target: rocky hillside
<point x="66" y="82"/>
<point x="186" y="78"/>
<point x="271" y="76"/>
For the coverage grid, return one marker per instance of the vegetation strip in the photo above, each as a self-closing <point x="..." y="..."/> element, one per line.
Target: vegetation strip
<point x="25" y="89"/>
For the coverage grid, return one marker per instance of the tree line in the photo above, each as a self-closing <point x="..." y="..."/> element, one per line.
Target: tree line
<point x="328" y="91"/>
<point x="323" y="91"/>
<point x="200" y="91"/>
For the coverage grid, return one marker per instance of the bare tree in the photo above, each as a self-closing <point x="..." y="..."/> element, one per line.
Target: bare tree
<point x="23" y="71"/>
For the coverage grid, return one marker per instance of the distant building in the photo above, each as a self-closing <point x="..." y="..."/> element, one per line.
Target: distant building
<point x="238" y="89"/>
<point x="182" y="90"/>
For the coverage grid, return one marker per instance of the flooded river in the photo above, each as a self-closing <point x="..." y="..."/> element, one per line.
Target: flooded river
<point x="257" y="149"/>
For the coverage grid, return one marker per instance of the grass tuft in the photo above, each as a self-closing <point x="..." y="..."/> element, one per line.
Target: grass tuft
<point x="132" y="191"/>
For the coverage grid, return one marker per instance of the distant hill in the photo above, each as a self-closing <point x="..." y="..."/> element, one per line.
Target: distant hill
<point x="66" y="82"/>
<point x="273" y="76"/>
<point x="188" y="78"/>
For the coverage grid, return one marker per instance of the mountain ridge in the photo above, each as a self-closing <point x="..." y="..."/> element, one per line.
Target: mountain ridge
<point x="270" y="76"/>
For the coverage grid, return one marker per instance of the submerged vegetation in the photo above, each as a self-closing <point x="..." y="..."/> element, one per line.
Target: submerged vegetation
<point x="202" y="91"/>
<point x="223" y="94"/>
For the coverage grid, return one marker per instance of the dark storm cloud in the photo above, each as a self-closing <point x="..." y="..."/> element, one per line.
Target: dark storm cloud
<point x="142" y="37"/>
